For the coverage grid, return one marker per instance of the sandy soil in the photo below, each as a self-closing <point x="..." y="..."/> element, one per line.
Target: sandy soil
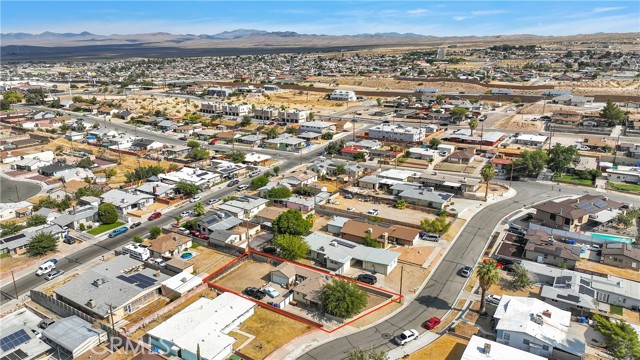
<point x="503" y="287"/>
<point x="608" y="269"/>
<point x="516" y="122"/>
<point x="412" y="279"/>
<point x="208" y="260"/>
<point x="447" y="347"/>
<point x="362" y="83"/>
<point x="415" y="255"/>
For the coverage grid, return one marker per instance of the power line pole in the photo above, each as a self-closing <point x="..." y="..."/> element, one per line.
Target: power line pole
<point x="15" y="287"/>
<point x="401" y="276"/>
<point x="113" y="326"/>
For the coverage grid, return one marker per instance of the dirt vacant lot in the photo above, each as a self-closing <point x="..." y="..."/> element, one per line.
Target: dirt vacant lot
<point x="447" y="347"/>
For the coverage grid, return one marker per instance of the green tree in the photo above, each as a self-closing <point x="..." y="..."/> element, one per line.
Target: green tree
<point x="199" y="209"/>
<point x="85" y="163"/>
<point x="401" y="204"/>
<point x="517" y="100"/>
<point x="107" y="213"/>
<point x="144" y="172"/>
<point x="436" y="226"/>
<point x="612" y="113"/>
<point x="279" y="192"/>
<point x="198" y="154"/>
<point x="178" y="218"/>
<point x="5" y="104"/>
<point x="304" y="190"/>
<point x="458" y="113"/>
<point x="186" y="188"/>
<point x="291" y="222"/>
<point x="154" y="232"/>
<point x="246" y="121"/>
<point x="360" y="157"/>
<point x="236" y="156"/>
<point x="520" y="277"/>
<point x="109" y="173"/>
<point x="10" y="228"/>
<point x="259" y="181"/>
<point x="335" y="147"/>
<point x="291" y="247"/>
<point x="622" y="339"/>
<point x="137" y="239"/>
<point x="35" y="96"/>
<point x="272" y="133"/>
<point x="367" y="240"/>
<point x="276" y="170"/>
<point x="487" y="275"/>
<point x="42" y="243"/>
<point x="560" y="157"/>
<point x="530" y="163"/>
<point x="36" y="220"/>
<point x="343" y="298"/>
<point x="473" y="124"/>
<point x="487" y="172"/>
<point x="193" y="144"/>
<point x="13" y="96"/>
<point x="434" y="143"/>
<point x="88" y="191"/>
<point x="341" y="169"/>
<point x="371" y="354"/>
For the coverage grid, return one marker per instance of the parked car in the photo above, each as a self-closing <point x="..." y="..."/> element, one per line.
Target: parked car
<point x="373" y="212"/>
<point x="135" y="224"/>
<point x="493" y="299"/>
<point x="466" y="271"/>
<point x="242" y="187"/>
<point x="430" y="237"/>
<point x="203" y="236"/>
<point x="254" y="293"/>
<point x="254" y="173"/>
<point x="183" y="231"/>
<point x="118" y="231"/>
<point x="183" y="138"/>
<point x="54" y="274"/>
<point x="273" y="293"/>
<point x="505" y="261"/>
<point x="186" y="213"/>
<point x="46" y="267"/>
<point x="269" y="250"/>
<point x="212" y="201"/>
<point x="233" y="183"/>
<point x="431" y="323"/>
<point x="367" y="279"/>
<point x="69" y="240"/>
<point x="348" y="196"/>
<point x="195" y="198"/>
<point x="194" y="232"/>
<point x="406" y="336"/>
<point x="351" y="209"/>
<point x="155" y="215"/>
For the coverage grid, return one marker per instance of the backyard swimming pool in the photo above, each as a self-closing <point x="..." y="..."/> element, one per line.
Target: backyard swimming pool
<point x="612" y="238"/>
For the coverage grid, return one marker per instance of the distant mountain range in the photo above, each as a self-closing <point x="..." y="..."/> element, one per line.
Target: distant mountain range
<point x="85" y="45"/>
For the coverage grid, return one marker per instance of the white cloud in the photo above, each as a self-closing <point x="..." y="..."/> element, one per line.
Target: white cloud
<point x="487" y="12"/>
<point x="600" y="10"/>
<point x="460" y="18"/>
<point x="417" y="11"/>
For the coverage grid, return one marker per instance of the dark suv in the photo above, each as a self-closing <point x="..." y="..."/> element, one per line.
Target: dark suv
<point x="367" y="279"/>
<point x="254" y="293"/>
<point x="233" y="183"/>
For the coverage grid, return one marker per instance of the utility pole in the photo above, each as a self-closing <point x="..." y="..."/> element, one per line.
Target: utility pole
<point x="113" y="326"/>
<point x="401" y="276"/>
<point x="15" y="287"/>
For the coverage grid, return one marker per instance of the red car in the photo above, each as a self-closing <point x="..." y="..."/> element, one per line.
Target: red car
<point x="431" y="323"/>
<point x="155" y="215"/>
<point x="195" y="233"/>
<point x="213" y="141"/>
<point x="203" y="236"/>
<point x="498" y="265"/>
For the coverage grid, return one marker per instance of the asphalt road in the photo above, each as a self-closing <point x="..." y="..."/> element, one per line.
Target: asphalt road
<point x="443" y="288"/>
<point x="67" y="263"/>
<point x="16" y="190"/>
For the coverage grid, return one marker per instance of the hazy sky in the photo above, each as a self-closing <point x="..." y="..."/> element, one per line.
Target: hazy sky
<point x="323" y="17"/>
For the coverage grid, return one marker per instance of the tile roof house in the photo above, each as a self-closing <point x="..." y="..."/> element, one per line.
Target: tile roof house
<point x="462" y="156"/>
<point x="169" y="245"/>
<point x="354" y="230"/>
<point x="621" y="255"/>
<point x="541" y="247"/>
<point x="572" y="214"/>
<point x="306" y="284"/>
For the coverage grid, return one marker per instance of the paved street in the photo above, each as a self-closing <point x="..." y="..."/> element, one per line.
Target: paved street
<point x="445" y="285"/>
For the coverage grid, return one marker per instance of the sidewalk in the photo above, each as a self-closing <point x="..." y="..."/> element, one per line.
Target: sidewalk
<point x="306" y="342"/>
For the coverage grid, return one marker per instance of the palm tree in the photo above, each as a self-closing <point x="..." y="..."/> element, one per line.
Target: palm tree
<point x="487" y="172"/>
<point x="199" y="209"/>
<point x="473" y="124"/>
<point x="178" y="218"/>
<point x="488" y="275"/>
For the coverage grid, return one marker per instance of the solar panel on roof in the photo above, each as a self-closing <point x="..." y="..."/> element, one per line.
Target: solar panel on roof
<point x="16" y="355"/>
<point x="13" y="238"/>
<point x="572" y="298"/>
<point x="345" y="244"/>
<point x="14" y="340"/>
<point x="587" y="291"/>
<point x="140" y="280"/>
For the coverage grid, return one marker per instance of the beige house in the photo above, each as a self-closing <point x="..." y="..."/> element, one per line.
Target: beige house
<point x="621" y="255"/>
<point x="169" y="245"/>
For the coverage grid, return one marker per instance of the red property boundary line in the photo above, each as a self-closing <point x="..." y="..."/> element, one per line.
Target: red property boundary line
<point x="395" y="297"/>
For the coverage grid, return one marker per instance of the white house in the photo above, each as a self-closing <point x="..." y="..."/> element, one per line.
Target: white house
<point x="245" y="207"/>
<point x="204" y="325"/>
<point x="343" y="95"/>
<point x="628" y="174"/>
<point x="397" y="133"/>
<point x="534" y="326"/>
<point x="195" y="176"/>
<point x="126" y="201"/>
<point x="483" y="349"/>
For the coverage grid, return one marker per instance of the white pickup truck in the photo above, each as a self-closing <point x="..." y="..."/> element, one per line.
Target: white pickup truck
<point x="46" y="267"/>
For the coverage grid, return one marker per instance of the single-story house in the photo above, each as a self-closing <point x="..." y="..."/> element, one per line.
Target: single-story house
<point x="169" y="245"/>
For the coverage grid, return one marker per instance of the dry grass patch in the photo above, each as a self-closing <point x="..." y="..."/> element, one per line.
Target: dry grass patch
<point x="447" y="347"/>
<point x="49" y="290"/>
<point x="208" y="260"/>
<point x="240" y="339"/>
<point x="271" y="330"/>
<point x="464" y="329"/>
<point x="148" y="310"/>
<point x="504" y="287"/>
<point x="454" y="229"/>
<point x="415" y="255"/>
<point x="608" y="269"/>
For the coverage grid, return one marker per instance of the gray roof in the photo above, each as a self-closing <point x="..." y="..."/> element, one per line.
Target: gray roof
<point x="80" y="214"/>
<point x="343" y="251"/>
<point x="338" y="221"/>
<point x="219" y="220"/>
<point x="221" y="235"/>
<point x="160" y="187"/>
<point x="121" y="198"/>
<point x="426" y="195"/>
<point x="108" y="283"/>
<point x="56" y="167"/>
<point x="371" y="179"/>
<point x="22" y="320"/>
<point x="24" y="237"/>
<point x="72" y="332"/>
<point x="247" y="202"/>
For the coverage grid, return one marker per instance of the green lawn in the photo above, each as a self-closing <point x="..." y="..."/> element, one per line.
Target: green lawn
<point x="572" y="179"/>
<point x="624" y="187"/>
<point x="6" y="255"/>
<point x="616" y="310"/>
<point x="102" y="228"/>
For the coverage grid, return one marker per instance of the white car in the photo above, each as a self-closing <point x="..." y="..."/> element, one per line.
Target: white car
<point x="493" y="299"/>
<point x="185" y="213"/>
<point x="183" y="231"/>
<point x="195" y="198"/>
<point x="351" y="209"/>
<point x="273" y="293"/>
<point x="406" y="336"/>
<point x="373" y="212"/>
